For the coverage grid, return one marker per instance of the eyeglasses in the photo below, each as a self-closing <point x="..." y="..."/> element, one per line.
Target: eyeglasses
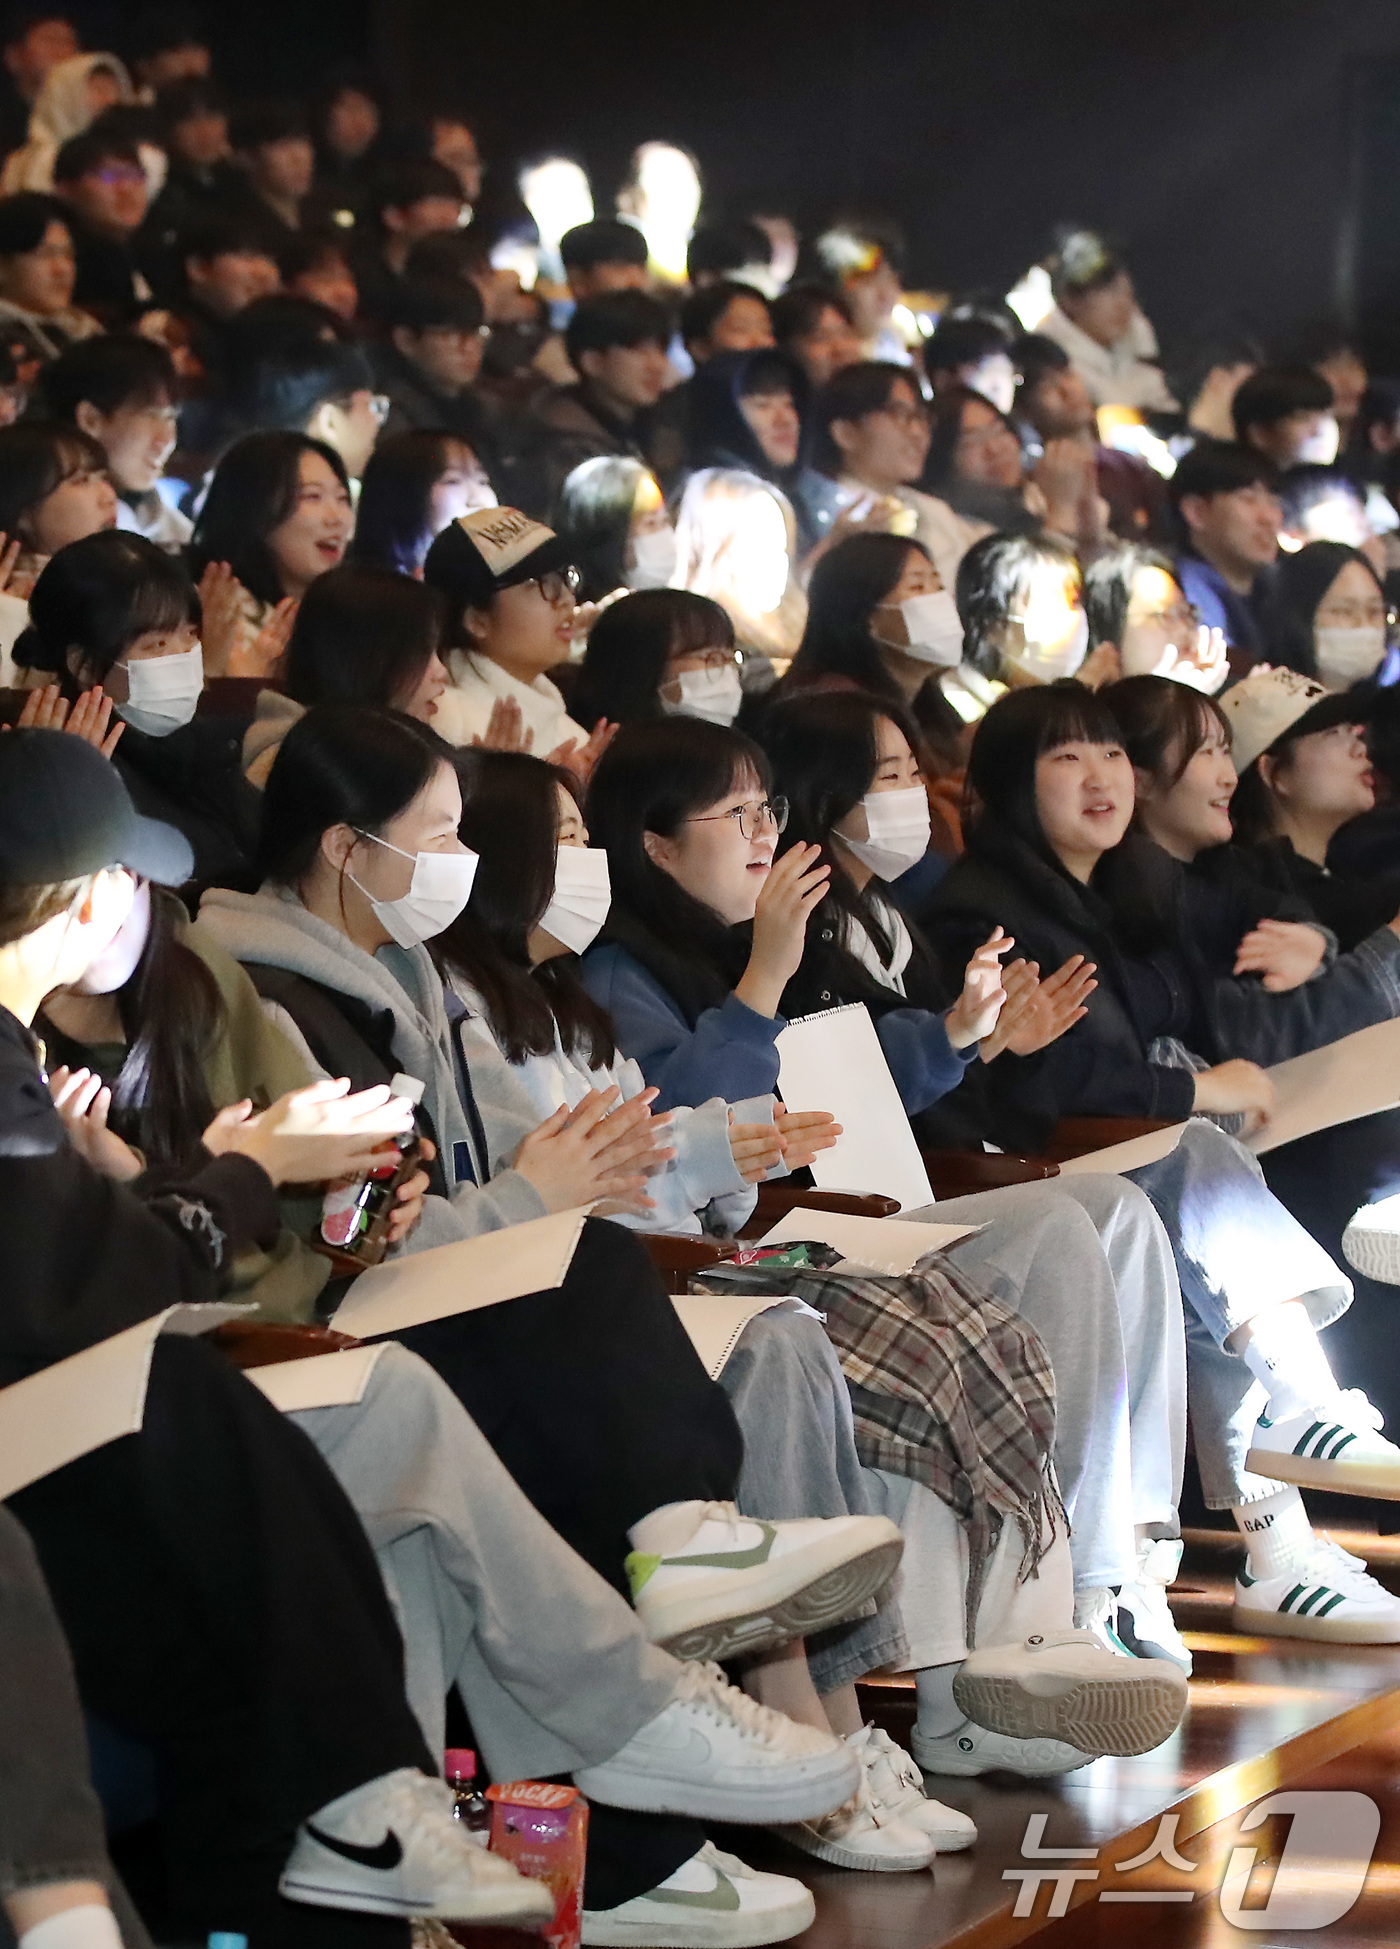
<point x="752" y="817"/>
<point x="903" y="414"/>
<point x="558" y="585"/>
<point x="1174" y="615"/>
<point x="1353" y="615"/>
<point x="711" y="661"/>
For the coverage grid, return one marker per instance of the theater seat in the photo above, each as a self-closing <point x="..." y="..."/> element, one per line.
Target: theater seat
<point x="1074" y="1136"/>
<point x="775" y="1201"/>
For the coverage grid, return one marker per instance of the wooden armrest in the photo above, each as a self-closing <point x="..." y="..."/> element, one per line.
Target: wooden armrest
<point x="955" y="1173"/>
<point x="775" y="1201"/>
<point x="263" y="1343"/>
<point x="1074" y="1136"/>
<point x="678" y="1253"/>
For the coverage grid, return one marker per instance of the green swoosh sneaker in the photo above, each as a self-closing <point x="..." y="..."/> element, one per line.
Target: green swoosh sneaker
<point x="712" y="1901"/>
<point x="740" y="1586"/>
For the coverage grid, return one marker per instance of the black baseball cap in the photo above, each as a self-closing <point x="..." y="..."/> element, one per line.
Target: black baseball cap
<point x="64" y="812"/>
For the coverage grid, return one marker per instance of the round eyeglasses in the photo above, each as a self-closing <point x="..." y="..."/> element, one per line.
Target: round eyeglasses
<point x="752" y="818"/>
<point x="557" y="585"/>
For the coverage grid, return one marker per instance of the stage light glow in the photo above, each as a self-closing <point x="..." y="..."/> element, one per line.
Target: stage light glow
<point x="662" y="197"/>
<point x="556" y="193"/>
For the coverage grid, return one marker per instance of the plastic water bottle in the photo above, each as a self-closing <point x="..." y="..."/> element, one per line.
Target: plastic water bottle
<point x="471" y="1805"/>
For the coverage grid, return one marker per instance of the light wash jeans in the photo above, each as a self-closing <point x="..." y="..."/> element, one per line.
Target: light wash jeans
<point x="1238" y="1252"/>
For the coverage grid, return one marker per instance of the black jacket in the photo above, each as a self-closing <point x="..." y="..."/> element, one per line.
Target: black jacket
<point x="86" y="1257"/>
<point x="1353" y="904"/>
<point x="193" y="778"/>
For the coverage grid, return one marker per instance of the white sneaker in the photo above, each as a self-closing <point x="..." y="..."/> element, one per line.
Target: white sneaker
<point x="717" y="1754"/>
<point x="863" y="1836"/>
<point x="1096" y="1613"/>
<point x="972" y="1750"/>
<point x="712" y="1901"/>
<point x="1328" y="1595"/>
<point x="1371" y="1242"/>
<point x="741" y="1586"/>
<point x="1143" y="1622"/>
<point x="1064" y="1685"/>
<point x="392" y="1847"/>
<point x="897" y="1786"/>
<point x="1337" y="1446"/>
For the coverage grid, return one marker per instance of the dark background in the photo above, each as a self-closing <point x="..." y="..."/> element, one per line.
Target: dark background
<point x="1247" y="151"/>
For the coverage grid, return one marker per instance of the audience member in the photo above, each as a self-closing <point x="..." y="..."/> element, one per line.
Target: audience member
<point x="1136" y="607"/>
<point x="1097" y="321"/>
<point x="658" y="653"/>
<point x="201" y="175"/>
<point x="74" y="93"/>
<point x="54" y="489"/>
<point x="122" y="392"/>
<point x="37" y="273"/>
<point x="37" y="38"/>
<point x="972" y="352"/>
<point x="453" y="143"/>
<point x="167" y="45"/>
<point x="272" y="145"/>
<point x="725" y="316"/>
<point x="316" y="264"/>
<point x="427" y="369"/>
<point x="603" y="256"/>
<point x="99" y="180"/>
<point x="1228" y="516"/>
<point x="1053" y="401"/>
<point x="723" y="253"/>
<point x="612" y="515"/>
<point x="736" y="542"/>
<point x="813" y="324"/>
<point x="347" y="125"/>
<point x="864" y="268"/>
<point x="414" y="486"/>
<point x="617" y="345"/>
<point x="1332" y="353"/>
<point x="408" y="202"/>
<point x="1284" y="412"/>
<point x="1327" y="615"/>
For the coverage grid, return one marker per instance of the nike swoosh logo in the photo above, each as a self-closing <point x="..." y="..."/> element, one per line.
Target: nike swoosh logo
<point x="729" y="1559"/>
<point x="724" y="1896"/>
<point x="386" y="1855"/>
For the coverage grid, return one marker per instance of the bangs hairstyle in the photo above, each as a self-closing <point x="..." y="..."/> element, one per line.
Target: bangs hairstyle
<point x="510" y="819"/>
<point x="95" y="598"/>
<point x="848" y="584"/>
<point x="631" y="644"/>
<point x="994" y="576"/>
<point x="1108" y="588"/>
<point x="1012" y="737"/>
<point x="394" y="520"/>
<point x="825" y="754"/>
<point x="651" y="778"/>
<point x="1163" y="724"/>
<point x="35" y="458"/>
<point x="362" y="635"/>
<point x="341" y="764"/>
<point x="594" y="515"/>
<point x="254" y="490"/>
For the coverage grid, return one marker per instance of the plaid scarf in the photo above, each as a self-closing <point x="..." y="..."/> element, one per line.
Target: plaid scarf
<point x="947" y="1386"/>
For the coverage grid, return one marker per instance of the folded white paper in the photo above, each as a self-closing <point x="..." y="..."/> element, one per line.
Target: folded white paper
<point x="325" y="1380"/>
<point x="716" y="1323"/>
<point x="1354" y="1077"/>
<point x="833" y="1061"/>
<point x="890" y="1245"/>
<point x="1127" y="1156"/>
<point x="461" y="1278"/>
<point x="93" y="1397"/>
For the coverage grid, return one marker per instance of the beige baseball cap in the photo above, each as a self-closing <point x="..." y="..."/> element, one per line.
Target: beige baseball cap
<point x="1270" y="704"/>
<point x="491" y="549"/>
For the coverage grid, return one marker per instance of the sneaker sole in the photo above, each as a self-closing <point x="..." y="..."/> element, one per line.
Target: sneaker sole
<point x="1323" y="1630"/>
<point x="840" y="1856"/>
<point x="764" y="1797"/>
<point x="1343" y="1478"/>
<point x="1374" y="1253"/>
<point x="947" y="1766"/>
<point x="789" y="1602"/>
<point x="522" y="1912"/>
<point x="711" y="1929"/>
<point x="1096" y="1715"/>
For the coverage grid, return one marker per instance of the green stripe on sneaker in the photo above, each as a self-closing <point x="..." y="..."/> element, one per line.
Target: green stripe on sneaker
<point x="1337" y="1448"/>
<point x="1296" y="1591"/>
<point x="1336" y="1598"/>
<point x="1312" y="1597"/>
<point x="729" y="1559"/>
<point x="640" y="1569"/>
<point x="1300" y="1447"/>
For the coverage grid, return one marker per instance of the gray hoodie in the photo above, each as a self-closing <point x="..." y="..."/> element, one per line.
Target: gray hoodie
<point x="272" y="929"/>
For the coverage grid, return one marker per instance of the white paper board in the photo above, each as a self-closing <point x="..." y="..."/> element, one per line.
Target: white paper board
<point x="461" y="1278"/>
<point x="834" y="1061"/>
<point x="1354" y="1077"/>
<point x="1126" y="1157"/>
<point x="890" y="1245"/>
<point x="75" y="1406"/>
<point x="716" y="1321"/>
<point x="325" y="1380"/>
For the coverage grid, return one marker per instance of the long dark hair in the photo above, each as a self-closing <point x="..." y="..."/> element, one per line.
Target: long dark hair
<point x="594" y="515"/>
<point x="253" y="491"/>
<point x="97" y="596"/>
<point x="1002" y="506"/>
<point x="362" y="636"/>
<point x="825" y="754"/>
<point x="651" y="778"/>
<point x="341" y="764"/>
<point x="848" y="584"/>
<point x="630" y="645"/>
<point x="1296" y="588"/>
<point x="510" y="818"/>
<point x="172" y="1013"/>
<point x="394" y="519"/>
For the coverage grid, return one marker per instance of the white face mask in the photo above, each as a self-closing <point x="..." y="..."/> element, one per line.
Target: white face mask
<point x="653" y="560"/>
<point x="714" y="695"/>
<point x="1348" y="656"/>
<point x="1322" y="445"/>
<point x="441" y="886"/>
<point x="899" y="827"/>
<point x="1048" y="665"/>
<point x="581" y="898"/>
<point x="163" y="691"/>
<point x="934" y="629"/>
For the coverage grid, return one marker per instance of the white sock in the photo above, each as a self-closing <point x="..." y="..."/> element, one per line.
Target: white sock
<point x="667" y="1529"/>
<point x="1277" y="1530"/>
<point x="92" y="1926"/>
<point x="939" y="1712"/>
<point x="1285" y="1356"/>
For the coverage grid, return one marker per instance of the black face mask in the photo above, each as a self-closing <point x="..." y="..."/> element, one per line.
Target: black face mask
<point x="510" y="348"/>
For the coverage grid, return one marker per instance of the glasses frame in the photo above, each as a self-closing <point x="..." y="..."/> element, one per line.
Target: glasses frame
<point x="757" y="813"/>
<point x="566" y="580"/>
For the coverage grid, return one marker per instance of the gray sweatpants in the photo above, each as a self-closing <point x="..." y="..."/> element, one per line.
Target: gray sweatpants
<point x="1087" y="1261"/>
<point x="554" y="1668"/>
